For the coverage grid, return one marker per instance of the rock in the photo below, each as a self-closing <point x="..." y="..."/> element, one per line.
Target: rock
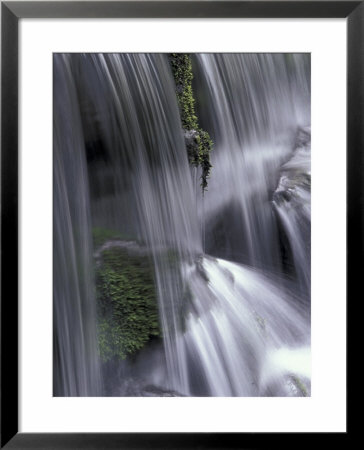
<point x="292" y="205"/>
<point x="132" y="387"/>
<point x="295" y="177"/>
<point x="155" y="391"/>
<point x="192" y="144"/>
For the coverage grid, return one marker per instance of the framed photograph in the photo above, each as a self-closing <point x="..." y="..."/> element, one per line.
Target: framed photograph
<point x="177" y="256"/>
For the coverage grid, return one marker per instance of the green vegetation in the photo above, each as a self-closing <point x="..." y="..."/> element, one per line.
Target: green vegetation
<point x="182" y="73"/>
<point x="198" y="141"/>
<point x="127" y="303"/>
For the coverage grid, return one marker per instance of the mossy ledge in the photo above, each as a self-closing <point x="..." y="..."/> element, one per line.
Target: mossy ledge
<point x="126" y="300"/>
<point x="198" y="142"/>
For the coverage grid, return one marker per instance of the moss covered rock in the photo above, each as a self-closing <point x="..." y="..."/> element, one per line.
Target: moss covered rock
<point x="198" y="141"/>
<point x="126" y="299"/>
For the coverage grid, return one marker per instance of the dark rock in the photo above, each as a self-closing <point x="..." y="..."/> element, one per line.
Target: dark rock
<point x="192" y="144"/>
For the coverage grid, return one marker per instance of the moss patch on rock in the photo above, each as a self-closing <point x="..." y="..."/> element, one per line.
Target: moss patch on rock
<point x="198" y="142"/>
<point x="127" y="303"/>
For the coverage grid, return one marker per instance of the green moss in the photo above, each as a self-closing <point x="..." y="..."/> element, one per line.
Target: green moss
<point x="205" y="147"/>
<point x="182" y="73"/>
<point x="127" y="304"/>
<point x="199" y="151"/>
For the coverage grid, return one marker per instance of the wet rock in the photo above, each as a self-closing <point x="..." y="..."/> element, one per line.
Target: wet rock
<point x="192" y="144"/>
<point x="292" y="205"/>
<point x="137" y="388"/>
<point x="155" y="391"/>
<point x="295" y="176"/>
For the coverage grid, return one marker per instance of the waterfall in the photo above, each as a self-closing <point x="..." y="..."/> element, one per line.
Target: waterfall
<point x="139" y="122"/>
<point x="76" y="369"/>
<point x="292" y="202"/>
<point x="231" y="267"/>
<point x="240" y="320"/>
<point x="252" y="105"/>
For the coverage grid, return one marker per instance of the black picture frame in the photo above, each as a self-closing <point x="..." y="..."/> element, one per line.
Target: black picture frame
<point x="11" y="12"/>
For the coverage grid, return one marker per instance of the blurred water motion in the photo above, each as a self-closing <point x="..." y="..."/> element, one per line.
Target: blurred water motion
<point x="76" y="366"/>
<point x="234" y="291"/>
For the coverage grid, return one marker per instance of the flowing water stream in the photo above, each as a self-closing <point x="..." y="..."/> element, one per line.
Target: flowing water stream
<point x="234" y="304"/>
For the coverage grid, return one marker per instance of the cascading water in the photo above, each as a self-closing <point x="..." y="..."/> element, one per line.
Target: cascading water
<point x="76" y="369"/>
<point x="252" y="105"/>
<point x="147" y="150"/>
<point x="228" y="329"/>
<point x="292" y="202"/>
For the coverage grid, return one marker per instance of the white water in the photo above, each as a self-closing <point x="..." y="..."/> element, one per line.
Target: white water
<point x="76" y="365"/>
<point x="253" y="105"/>
<point x="239" y="324"/>
<point x="229" y="329"/>
<point x="292" y="203"/>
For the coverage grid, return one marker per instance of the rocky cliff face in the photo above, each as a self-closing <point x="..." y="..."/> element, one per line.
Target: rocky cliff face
<point x="292" y="204"/>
